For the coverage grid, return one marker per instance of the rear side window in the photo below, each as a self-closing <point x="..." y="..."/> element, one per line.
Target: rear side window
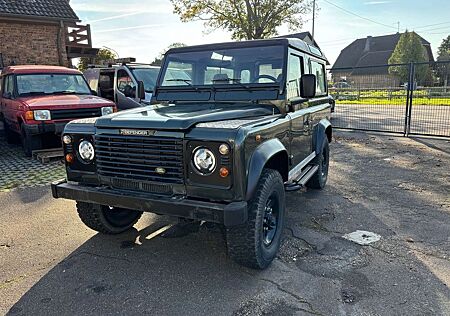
<point x="319" y="70"/>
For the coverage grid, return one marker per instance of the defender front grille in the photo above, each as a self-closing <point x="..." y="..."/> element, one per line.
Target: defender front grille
<point x="139" y="157"/>
<point x="72" y="114"/>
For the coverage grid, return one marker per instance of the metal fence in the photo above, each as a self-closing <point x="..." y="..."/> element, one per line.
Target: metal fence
<point x="408" y="99"/>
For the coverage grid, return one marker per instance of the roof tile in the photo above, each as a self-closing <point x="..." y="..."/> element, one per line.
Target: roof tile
<point x="53" y="9"/>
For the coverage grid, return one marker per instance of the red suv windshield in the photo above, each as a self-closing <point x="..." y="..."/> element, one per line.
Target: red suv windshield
<point x="45" y="84"/>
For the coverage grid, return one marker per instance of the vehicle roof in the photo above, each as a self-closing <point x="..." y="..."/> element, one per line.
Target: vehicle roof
<point x="33" y="69"/>
<point x="292" y="42"/>
<point x="129" y="65"/>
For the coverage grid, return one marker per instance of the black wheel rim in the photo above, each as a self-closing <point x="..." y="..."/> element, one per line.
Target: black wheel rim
<point x="270" y="221"/>
<point x="119" y="217"/>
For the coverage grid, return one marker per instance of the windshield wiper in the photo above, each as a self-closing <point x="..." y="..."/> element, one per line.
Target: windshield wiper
<point x="186" y="81"/>
<point x="63" y="92"/>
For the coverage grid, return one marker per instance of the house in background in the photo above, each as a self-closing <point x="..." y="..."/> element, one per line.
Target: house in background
<point x="367" y="53"/>
<point x="42" y="32"/>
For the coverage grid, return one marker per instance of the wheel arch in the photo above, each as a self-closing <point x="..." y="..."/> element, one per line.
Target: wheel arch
<point x="270" y="154"/>
<point x="322" y="132"/>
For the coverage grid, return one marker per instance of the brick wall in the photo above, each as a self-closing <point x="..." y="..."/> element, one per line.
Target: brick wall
<point x="27" y="43"/>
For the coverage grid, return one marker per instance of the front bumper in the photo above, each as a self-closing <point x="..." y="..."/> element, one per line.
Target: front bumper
<point x="45" y="127"/>
<point x="231" y="214"/>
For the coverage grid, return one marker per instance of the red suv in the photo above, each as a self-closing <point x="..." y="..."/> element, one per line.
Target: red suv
<point x="38" y="101"/>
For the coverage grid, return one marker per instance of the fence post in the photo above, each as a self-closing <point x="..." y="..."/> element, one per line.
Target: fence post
<point x="411" y="84"/>
<point x="408" y="89"/>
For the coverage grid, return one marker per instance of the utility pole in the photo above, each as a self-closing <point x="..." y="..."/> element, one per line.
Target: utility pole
<point x="314" y="19"/>
<point x="398" y="27"/>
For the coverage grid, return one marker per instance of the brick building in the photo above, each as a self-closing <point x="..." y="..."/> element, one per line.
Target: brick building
<point x="42" y="32"/>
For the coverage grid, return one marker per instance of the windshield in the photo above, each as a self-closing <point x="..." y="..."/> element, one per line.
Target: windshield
<point x="148" y="76"/>
<point x="236" y="66"/>
<point x="42" y="84"/>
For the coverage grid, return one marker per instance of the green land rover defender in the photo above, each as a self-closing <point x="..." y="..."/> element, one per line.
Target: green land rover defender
<point x="231" y="128"/>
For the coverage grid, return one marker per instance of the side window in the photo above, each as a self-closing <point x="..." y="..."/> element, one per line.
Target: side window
<point x="295" y="71"/>
<point x="319" y="70"/>
<point x="9" y="85"/>
<point x="124" y="80"/>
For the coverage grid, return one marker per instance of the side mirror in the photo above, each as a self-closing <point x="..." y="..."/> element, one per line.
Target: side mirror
<point x="308" y="86"/>
<point x="140" y="90"/>
<point x="93" y="92"/>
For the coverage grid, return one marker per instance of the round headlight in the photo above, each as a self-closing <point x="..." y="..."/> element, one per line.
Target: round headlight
<point x="204" y="160"/>
<point x="86" y="151"/>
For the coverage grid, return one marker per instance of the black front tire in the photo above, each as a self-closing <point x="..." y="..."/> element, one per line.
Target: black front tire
<point x="105" y="219"/>
<point x="253" y="244"/>
<point x="319" y="179"/>
<point x="30" y="142"/>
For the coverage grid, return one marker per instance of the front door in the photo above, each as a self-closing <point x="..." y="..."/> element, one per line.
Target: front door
<point x="8" y="104"/>
<point x="300" y="133"/>
<point x="126" y="88"/>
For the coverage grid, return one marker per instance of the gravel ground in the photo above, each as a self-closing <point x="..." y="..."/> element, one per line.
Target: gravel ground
<point x="392" y="186"/>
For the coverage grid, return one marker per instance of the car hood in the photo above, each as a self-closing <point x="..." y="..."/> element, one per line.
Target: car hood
<point x="180" y="117"/>
<point x="56" y="101"/>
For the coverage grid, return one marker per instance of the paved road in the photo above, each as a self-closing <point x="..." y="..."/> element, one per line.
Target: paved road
<point x="396" y="187"/>
<point x="426" y="119"/>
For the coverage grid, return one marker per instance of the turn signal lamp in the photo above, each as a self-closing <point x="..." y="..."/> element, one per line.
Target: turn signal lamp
<point x="69" y="158"/>
<point x="224" y="172"/>
<point x="224" y="149"/>
<point x="29" y="115"/>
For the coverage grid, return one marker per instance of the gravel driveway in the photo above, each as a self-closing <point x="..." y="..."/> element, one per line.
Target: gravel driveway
<point x="395" y="187"/>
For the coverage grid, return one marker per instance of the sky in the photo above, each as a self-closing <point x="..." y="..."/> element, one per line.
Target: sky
<point x="144" y="28"/>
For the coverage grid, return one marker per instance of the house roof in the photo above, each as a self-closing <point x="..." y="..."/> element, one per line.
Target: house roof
<point x="372" y="51"/>
<point x="41" y="9"/>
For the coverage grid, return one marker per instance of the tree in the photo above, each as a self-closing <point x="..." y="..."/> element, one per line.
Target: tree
<point x="245" y="19"/>
<point x="409" y="49"/>
<point x="159" y="58"/>
<point x="443" y="69"/>
<point x="103" y="55"/>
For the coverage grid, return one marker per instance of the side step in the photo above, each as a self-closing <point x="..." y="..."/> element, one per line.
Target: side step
<point x="306" y="174"/>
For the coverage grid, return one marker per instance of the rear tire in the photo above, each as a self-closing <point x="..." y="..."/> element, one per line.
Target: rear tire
<point x="319" y="179"/>
<point x="255" y="243"/>
<point x="30" y="142"/>
<point x="105" y="219"/>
